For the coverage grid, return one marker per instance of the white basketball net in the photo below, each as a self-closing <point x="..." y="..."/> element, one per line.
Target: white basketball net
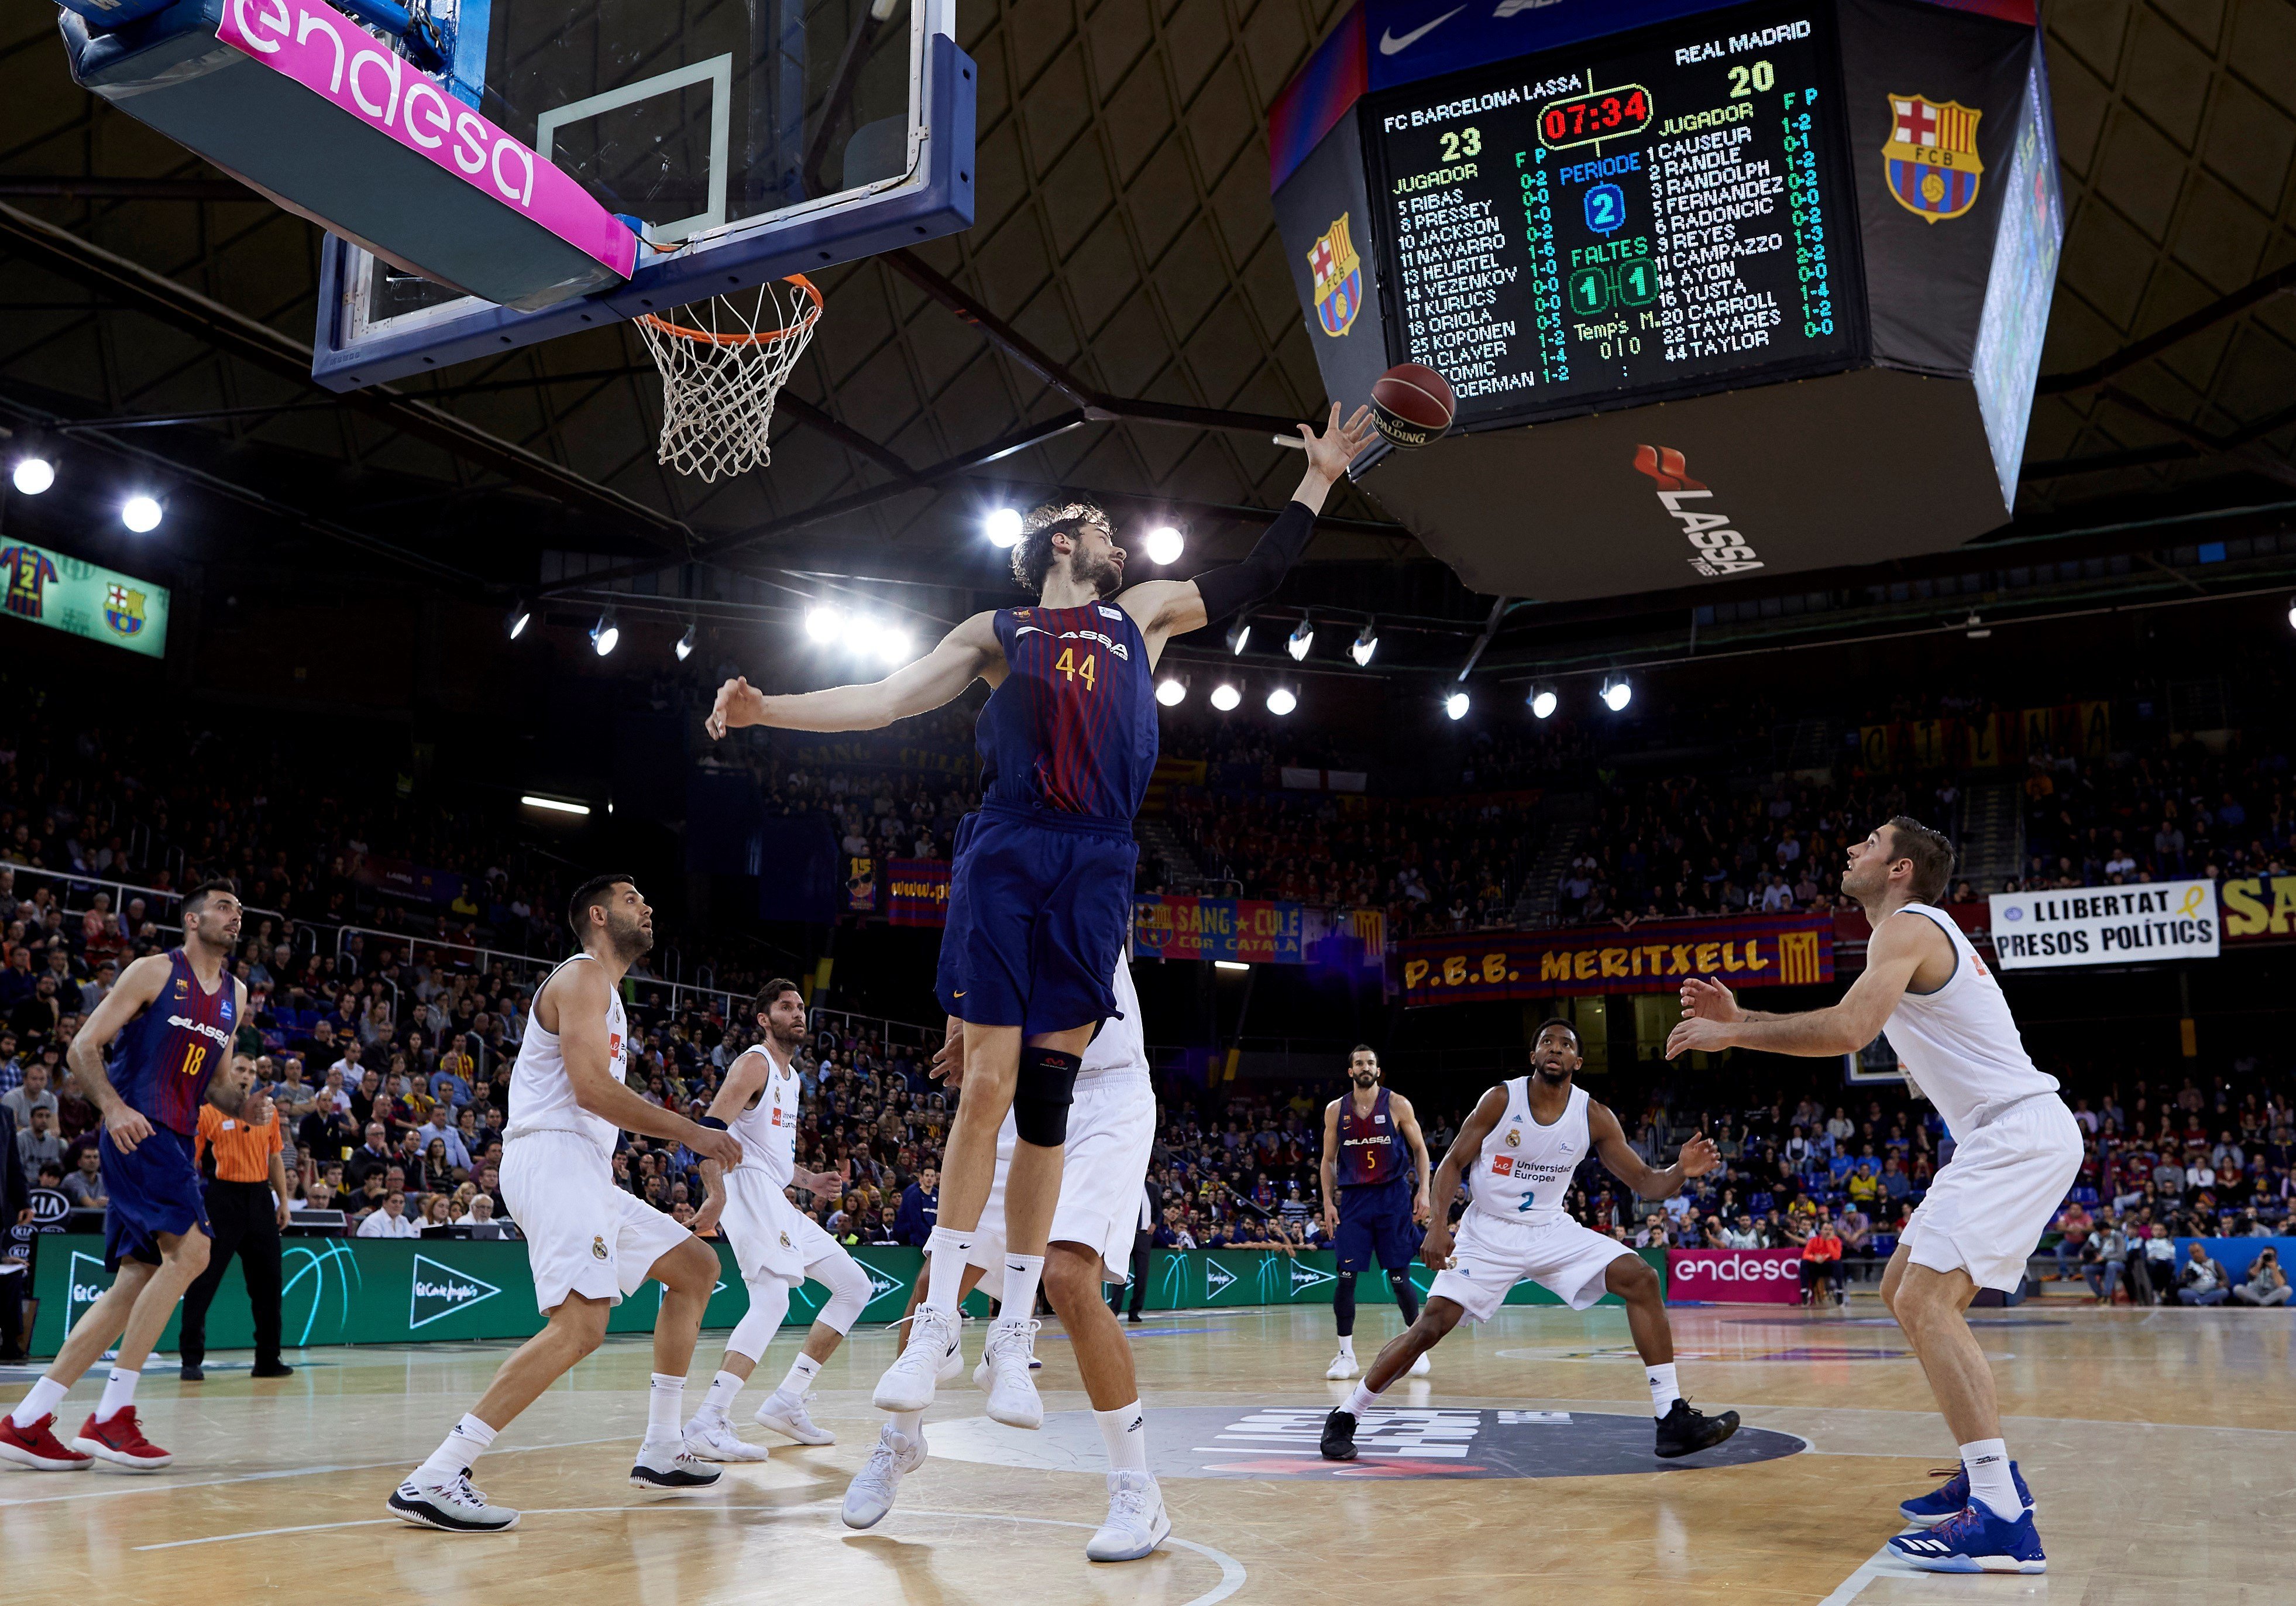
<point x="723" y="362"/>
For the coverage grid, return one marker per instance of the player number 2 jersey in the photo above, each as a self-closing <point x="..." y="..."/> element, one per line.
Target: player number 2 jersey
<point x="1525" y="1169"/>
<point x="162" y="1061"/>
<point x="767" y="1130"/>
<point x="1073" y="728"/>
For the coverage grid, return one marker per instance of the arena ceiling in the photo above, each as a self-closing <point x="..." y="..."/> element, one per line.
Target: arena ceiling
<point x="1125" y="261"/>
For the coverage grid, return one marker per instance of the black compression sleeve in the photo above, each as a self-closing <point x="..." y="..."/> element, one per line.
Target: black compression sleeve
<point x="1233" y="586"/>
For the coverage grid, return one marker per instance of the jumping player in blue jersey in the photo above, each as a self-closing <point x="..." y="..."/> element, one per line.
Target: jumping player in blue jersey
<point x="169" y="1025"/>
<point x="1372" y="1208"/>
<point x="1040" y="890"/>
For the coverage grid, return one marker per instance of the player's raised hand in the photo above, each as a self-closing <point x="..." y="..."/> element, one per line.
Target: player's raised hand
<point x="1698" y="1155"/>
<point x="738" y="704"/>
<point x="948" y="1062"/>
<point x="126" y="1125"/>
<point x="821" y="1185"/>
<point x="714" y="1143"/>
<point x="1708" y="999"/>
<point x="1697" y="1034"/>
<point x="1330" y="453"/>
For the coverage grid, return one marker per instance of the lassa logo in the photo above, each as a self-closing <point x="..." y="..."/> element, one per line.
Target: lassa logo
<point x="1719" y="548"/>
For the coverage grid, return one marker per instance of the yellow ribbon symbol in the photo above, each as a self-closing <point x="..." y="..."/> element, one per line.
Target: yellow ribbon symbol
<point x="2192" y="902"/>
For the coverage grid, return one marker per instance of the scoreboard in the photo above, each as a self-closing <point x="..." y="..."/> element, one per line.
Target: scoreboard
<point x="1621" y="222"/>
<point x="1727" y="290"/>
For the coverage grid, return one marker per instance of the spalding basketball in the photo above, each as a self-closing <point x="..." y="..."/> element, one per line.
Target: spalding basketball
<point x="1412" y="405"/>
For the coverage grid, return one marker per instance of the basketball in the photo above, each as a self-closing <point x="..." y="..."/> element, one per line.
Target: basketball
<point x="1412" y="404"/>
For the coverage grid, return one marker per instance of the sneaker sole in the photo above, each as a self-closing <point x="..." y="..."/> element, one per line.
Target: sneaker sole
<point x="1163" y="1532"/>
<point x="781" y="1426"/>
<point x="887" y="1398"/>
<point x="1023" y="1418"/>
<point x="17" y="1456"/>
<point x="722" y="1458"/>
<point x="421" y="1516"/>
<point x="1334" y="1375"/>
<point x="670" y="1490"/>
<point x="857" y="1524"/>
<point x="128" y="1463"/>
<point x="1972" y="1564"/>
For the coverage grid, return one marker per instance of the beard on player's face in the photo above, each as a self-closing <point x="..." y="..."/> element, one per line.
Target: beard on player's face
<point x="1555" y="1062"/>
<point x="630" y="935"/>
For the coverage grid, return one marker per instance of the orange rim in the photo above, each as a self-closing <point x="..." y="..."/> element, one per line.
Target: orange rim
<point x="761" y="338"/>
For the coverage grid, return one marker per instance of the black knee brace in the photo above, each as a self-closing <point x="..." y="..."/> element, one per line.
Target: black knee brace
<point x="1406" y="1298"/>
<point x="1041" y="1095"/>
<point x="1343" y="1305"/>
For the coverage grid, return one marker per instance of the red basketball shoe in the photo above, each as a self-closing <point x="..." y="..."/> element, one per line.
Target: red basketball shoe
<point x="121" y="1442"/>
<point x="38" y="1447"/>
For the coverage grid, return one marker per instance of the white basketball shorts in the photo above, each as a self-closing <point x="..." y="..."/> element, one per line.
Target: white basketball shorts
<point x="1491" y="1255"/>
<point x="1104" y="1167"/>
<point x="583" y="1234"/>
<point x="1987" y="1209"/>
<point x="770" y="1236"/>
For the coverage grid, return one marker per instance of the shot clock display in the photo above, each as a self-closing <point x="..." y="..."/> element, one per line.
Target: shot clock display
<point x="1663" y="211"/>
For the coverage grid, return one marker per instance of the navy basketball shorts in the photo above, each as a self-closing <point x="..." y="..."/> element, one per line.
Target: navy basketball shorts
<point x="1376" y="1226"/>
<point x="152" y="1190"/>
<point x="1039" y="911"/>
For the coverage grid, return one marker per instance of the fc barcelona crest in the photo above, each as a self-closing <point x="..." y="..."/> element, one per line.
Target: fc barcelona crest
<point x="1932" y="157"/>
<point x="123" y="609"/>
<point x="1339" y="278"/>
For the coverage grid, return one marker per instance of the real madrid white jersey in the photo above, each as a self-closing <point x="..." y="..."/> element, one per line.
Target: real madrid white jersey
<point x="1526" y="1168"/>
<point x="1960" y="1044"/>
<point x="541" y="1093"/>
<point x="767" y="1129"/>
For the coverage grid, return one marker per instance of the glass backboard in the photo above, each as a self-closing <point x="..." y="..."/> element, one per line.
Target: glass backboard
<point x="753" y="139"/>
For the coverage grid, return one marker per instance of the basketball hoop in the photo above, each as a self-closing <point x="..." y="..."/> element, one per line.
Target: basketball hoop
<point x="722" y="364"/>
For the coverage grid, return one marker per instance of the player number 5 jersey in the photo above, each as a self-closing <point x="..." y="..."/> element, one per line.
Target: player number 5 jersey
<point x="1525" y="1169"/>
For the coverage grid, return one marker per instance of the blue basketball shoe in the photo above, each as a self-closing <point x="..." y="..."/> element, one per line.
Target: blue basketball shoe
<point x="1945" y="1503"/>
<point x="1975" y="1541"/>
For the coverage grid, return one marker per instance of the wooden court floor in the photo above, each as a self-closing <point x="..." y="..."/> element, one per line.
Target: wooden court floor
<point x="2161" y="1445"/>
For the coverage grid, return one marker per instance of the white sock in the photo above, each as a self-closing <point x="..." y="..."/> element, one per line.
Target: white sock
<point x="1663" y="1391"/>
<point x="665" y="1409"/>
<point x="119" y="1394"/>
<point x="47" y="1394"/>
<point x="1124" y="1432"/>
<point x="947" y="1248"/>
<point x="908" y="1424"/>
<point x="465" y="1443"/>
<point x="1362" y="1399"/>
<point x="1347" y="1345"/>
<point x="1021" y="1273"/>
<point x="801" y="1373"/>
<point x="1988" y="1463"/>
<point x="719" y="1400"/>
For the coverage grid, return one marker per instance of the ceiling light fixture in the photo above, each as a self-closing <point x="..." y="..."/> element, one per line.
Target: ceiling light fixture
<point x="1455" y="705"/>
<point x="1303" y="638"/>
<point x="606" y="635"/>
<point x="1164" y="545"/>
<point x="1226" y="697"/>
<point x="1542" y="701"/>
<point x="1366" y="644"/>
<point x="1004" y="527"/>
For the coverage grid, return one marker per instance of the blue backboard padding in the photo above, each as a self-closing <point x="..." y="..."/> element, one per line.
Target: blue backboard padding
<point x="941" y="205"/>
<point x="171" y="73"/>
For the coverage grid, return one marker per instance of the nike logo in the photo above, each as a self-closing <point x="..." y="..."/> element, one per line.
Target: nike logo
<point x="1389" y="45"/>
<point x="957" y="995"/>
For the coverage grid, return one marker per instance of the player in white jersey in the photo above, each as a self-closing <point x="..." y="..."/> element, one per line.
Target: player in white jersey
<point x="2016" y="1150"/>
<point x="1522" y="1146"/>
<point x="588" y="1242"/>
<point x="1111" y="1130"/>
<point x="776" y="1245"/>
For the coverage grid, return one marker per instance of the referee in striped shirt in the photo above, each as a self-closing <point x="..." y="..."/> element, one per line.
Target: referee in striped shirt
<point x="246" y="1204"/>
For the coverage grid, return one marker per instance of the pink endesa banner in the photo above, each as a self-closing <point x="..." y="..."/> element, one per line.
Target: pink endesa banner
<point x="1734" y="1276"/>
<point x="333" y="57"/>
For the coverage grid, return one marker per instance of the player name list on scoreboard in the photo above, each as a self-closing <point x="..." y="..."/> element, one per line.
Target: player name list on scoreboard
<point x="1556" y="233"/>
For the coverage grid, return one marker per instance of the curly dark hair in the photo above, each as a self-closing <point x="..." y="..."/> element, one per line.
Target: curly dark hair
<point x="1032" y="554"/>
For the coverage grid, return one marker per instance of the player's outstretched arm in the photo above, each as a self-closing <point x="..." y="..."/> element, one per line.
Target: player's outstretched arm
<point x="581" y="993"/>
<point x="1165" y="608"/>
<point x="1698" y="1157"/>
<point x="1896" y="950"/>
<point x="965" y="654"/>
<point x="1466" y="1150"/>
<point x="136" y="988"/>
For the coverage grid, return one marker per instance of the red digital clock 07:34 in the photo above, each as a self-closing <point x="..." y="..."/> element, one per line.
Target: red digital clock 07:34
<point x="1619" y="114"/>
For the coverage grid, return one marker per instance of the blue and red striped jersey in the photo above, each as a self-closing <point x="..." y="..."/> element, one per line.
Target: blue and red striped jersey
<point x="1073" y="728"/>
<point x="1370" y="1149"/>
<point x="162" y="1059"/>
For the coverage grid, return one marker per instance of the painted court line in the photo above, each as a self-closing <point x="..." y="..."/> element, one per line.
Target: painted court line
<point x="1882" y="1563"/>
<point x="145" y="1483"/>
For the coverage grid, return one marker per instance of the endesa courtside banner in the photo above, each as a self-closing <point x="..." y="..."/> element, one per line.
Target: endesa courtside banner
<point x="1756" y="951"/>
<point x="1734" y="1276"/>
<point x="1251" y="929"/>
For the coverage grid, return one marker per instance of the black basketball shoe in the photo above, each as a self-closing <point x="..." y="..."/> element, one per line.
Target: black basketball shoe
<point x="1339" y="1435"/>
<point x="1685" y="1431"/>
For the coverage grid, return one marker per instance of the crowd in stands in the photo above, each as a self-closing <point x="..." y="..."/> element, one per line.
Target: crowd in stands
<point x="2178" y="811"/>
